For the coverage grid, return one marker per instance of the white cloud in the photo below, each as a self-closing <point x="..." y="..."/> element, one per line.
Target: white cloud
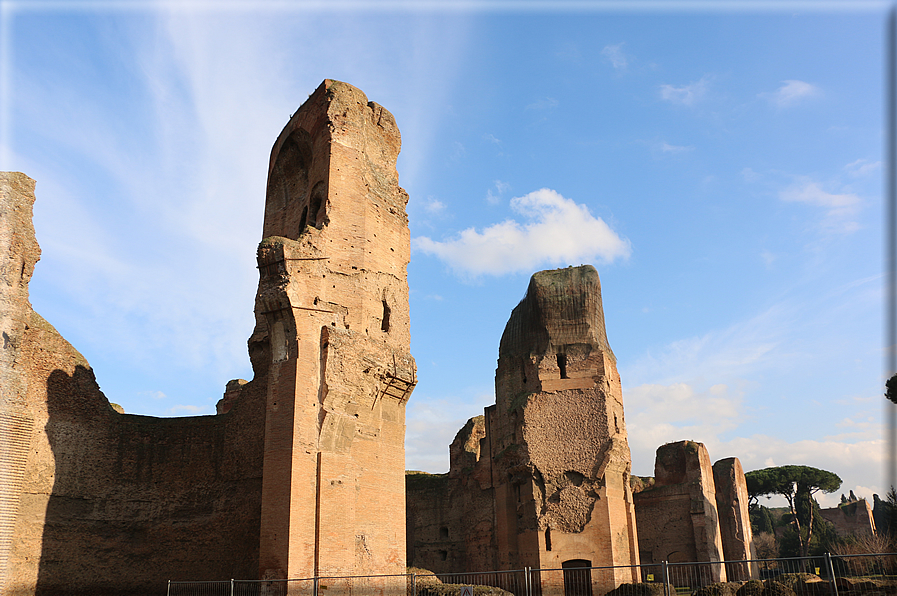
<point x="674" y="149"/>
<point x="791" y="93"/>
<point x="862" y="167"/>
<point x="811" y="193"/>
<point x="749" y="175"/>
<point x="616" y="57"/>
<point x="434" y="206"/>
<point x="558" y="231"/>
<point x="494" y="198"/>
<point x="687" y="94"/>
<point x="659" y="414"/>
<point x="840" y="208"/>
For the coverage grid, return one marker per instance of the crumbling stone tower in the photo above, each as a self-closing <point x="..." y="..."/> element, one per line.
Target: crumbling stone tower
<point x="542" y="480"/>
<point x="561" y="460"/>
<point x="332" y="337"/>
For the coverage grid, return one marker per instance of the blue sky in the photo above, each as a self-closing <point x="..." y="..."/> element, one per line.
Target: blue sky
<point x="720" y="164"/>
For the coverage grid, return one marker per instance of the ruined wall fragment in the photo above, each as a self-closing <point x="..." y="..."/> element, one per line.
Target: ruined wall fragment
<point x="677" y="516"/>
<point x="332" y="332"/>
<point x="852" y="518"/>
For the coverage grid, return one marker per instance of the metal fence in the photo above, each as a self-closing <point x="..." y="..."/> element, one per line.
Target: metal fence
<point x="826" y="575"/>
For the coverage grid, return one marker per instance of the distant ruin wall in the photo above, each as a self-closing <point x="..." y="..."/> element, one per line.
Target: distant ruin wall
<point x="852" y="518"/>
<point x="113" y="503"/>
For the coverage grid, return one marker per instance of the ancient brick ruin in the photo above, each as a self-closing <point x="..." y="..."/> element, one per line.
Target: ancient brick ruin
<point x="853" y="518"/>
<point x="692" y="511"/>
<point x="542" y="479"/>
<point x="302" y="471"/>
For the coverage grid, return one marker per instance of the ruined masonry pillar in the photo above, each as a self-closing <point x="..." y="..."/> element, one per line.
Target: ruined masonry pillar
<point x="332" y="335"/>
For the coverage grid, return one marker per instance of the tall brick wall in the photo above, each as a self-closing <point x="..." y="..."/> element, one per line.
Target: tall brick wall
<point x="105" y="503"/>
<point x="19" y="253"/>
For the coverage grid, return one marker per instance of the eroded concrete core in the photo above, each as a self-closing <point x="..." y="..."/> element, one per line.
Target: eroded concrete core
<point x="543" y="478"/>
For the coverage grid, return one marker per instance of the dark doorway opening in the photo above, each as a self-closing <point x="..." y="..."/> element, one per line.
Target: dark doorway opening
<point x="577" y="577"/>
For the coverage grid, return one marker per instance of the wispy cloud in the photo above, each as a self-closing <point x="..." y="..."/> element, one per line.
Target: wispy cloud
<point x="665" y="147"/>
<point x="839" y="208"/>
<point x="686" y="95"/>
<point x="434" y="206"/>
<point x="558" y="231"/>
<point x="749" y="175"/>
<point x="812" y="193"/>
<point x="546" y="103"/>
<point x="862" y="167"/>
<point x="494" y="198"/>
<point x="791" y="93"/>
<point x="614" y="54"/>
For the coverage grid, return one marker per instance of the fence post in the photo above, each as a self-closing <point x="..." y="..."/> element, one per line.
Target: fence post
<point x="831" y="572"/>
<point x="527" y="582"/>
<point x="413" y="584"/>
<point x="168" y="589"/>
<point x="666" y="579"/>
<point x="314" y="590"/>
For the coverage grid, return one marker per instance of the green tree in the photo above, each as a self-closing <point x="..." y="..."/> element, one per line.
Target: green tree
<point x="891" y="389"/>
<point x="797" y="484"/>
<point x="762" y="521"/>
